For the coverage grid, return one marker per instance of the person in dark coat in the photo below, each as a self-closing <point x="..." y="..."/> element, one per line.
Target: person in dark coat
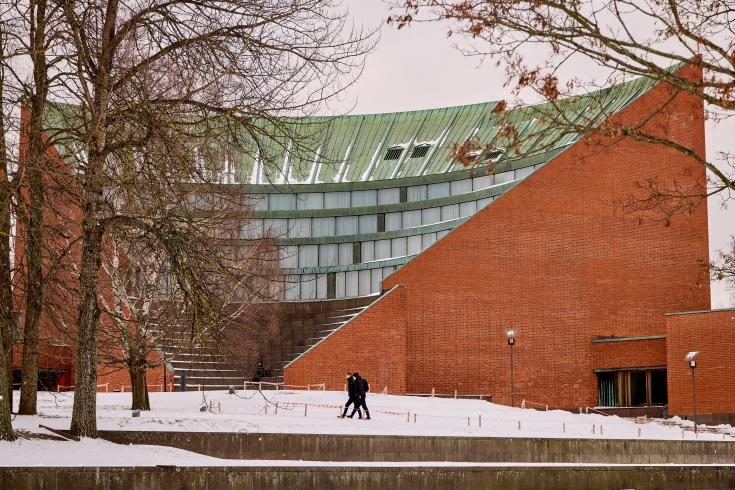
<point x="361" y="389"/>
<point x="353" y="399"/>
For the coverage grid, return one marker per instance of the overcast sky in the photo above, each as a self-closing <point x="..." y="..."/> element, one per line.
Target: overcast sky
<point x="418" y="68"/>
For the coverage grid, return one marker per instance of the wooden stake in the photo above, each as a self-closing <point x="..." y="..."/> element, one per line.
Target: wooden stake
<point x="563" y="427"/>
<point x="306" y="405"/>
<point x="479" y="420"/>
<point x="414" y="418"/>
<point x="275" y="410"/>
<point x="519" y="425"/>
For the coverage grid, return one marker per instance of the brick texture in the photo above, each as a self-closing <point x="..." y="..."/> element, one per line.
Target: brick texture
<point x="629" y="354"/>
<point x="558" y="260"/>
<point x="373" y="344"/>
<point x="713" y="335"/>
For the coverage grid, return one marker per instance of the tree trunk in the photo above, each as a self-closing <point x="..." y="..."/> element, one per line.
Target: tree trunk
<point x="6" y="292"/>
<point x="6" y="425"/>
<point x="84" y="412"/>
<point x="34" y="166"/>
<point x="140" y="389"/>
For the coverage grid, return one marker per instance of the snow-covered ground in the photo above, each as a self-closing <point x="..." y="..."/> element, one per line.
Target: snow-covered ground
<point x="302" y="412"/>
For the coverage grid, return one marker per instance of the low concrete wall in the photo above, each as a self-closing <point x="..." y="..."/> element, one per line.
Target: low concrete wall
<point x="388" y="478"/>
<point x="330" y="447"/>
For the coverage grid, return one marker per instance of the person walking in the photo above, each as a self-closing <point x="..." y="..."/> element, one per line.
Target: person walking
<point x="353" y="399"/>
<point x="361" y="387"/>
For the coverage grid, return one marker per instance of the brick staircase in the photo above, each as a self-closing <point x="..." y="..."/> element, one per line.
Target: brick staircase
<point x="217" y="365"/>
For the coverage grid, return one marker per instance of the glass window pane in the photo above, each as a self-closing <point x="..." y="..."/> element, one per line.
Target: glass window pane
<point x="336" y="200"/>
<point x="413" y="244"/>
<point x="417" y="193"/>
<point x="430" y="216"/>
<point x="252" y="228"/>
<point x="260" y="202"/>
<point x="481" y="203"/>
<point x="308" y="256"/>
<point x="428" y="240"/>
<point x="345" y="253"/>
<point x="467" y="208"/>
<point x="281" y="202"/>
<point x="368" y="223"/>
<point x="441" y="234"/>
<point x="299" y="227"/>
<point x="389" y="196"/>
<point x="321" y="286"/>
<point x="368" y="251"/>
<point x="322" y="226"/>
<point x="310" y="200"/>
<point x="351" y="284"/>
<point x="340" y="283"/>
<point x="503" y="177"/>
<point x="461" y="187"/>
<point x="376" y="277"/>
<point x="392" y="221"/>
<point x="364" y="282"/>
<point x="411" y="219"/>
<point x="482" y="182"/>
<point x="364" y="198"/>
<point x="275" y="228"/>
<point x="387" y="271"/>
<point x="308" y="286"/>
<point x="437" y="191"/>
<point x="522" y="173"/>
<point x="290" y="257"/>
<point x="327" y="255"/>
<point x="398" y="247"/>
<point x="382" y="249"/>
<point x="347" y="225"/>
<point x="450" y="212"/>
<point x="291" y="287"/>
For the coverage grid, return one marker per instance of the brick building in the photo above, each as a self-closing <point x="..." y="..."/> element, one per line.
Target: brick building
<point x="406" y="265"/>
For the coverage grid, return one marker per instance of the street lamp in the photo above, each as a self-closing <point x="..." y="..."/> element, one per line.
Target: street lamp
<point x="690" y="358"/>
<point x="511" y="334"/>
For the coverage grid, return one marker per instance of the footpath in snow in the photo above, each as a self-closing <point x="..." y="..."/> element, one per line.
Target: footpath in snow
<point x="310" y="412"/>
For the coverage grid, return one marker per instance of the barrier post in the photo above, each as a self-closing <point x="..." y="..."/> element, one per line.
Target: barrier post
<point x="432" y="392"/>
<point x="305" y="407"/>
<point x="275" y="412"/>
<point x="563" y="427"/>
<point x="479" y="420"/>
<point x="468" y="421"/>
<point x="260" y="386"/>
<point x="519" y="425"/>
<point x="408" y="417"/>
<point x="455" y="394"/>
<point x="414" y="421"/>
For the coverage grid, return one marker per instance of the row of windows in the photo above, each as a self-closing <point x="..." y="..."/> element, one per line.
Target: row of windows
<point x="332" y="254"/>
<point x="354" y="225"/>
<point x="379" y="197"/>
<point x="335" y="285"/>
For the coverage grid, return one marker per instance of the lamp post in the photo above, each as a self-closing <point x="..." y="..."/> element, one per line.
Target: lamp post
<point x="690" y="358"/>
<point x="511" y="334"/>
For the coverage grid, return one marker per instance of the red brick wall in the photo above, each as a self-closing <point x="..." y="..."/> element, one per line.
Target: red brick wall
<point x="373" y="344"/>
<point x="629" y="353"/>
<point x="558" y="260"/>
<point x="713" y="335"/>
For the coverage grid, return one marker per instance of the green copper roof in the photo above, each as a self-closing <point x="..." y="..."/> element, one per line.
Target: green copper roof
<point x="341" y="149"/>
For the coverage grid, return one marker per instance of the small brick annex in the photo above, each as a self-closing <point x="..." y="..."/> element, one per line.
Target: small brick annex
<point x="559" y="260"/>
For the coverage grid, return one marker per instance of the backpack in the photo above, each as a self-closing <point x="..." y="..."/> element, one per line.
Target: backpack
<point x="365" y="385"/>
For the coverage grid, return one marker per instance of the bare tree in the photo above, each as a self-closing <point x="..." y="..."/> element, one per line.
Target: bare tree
<point x="7" y="322"/>
<point x="620" y="39"/>
<point x="210" y="73"/>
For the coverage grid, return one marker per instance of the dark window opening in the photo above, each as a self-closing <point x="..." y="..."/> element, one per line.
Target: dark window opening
<point x="331" y="285"/>
<point x="403" y="195"/>
<point x="659" y="390"/>
<point x="356" y="253"/>
<point x="381" y="222"/>
<point x="631" y="388"/>
<point x="493" y="155"/>
<point x="48" y="379"/>
<point x="393" y="153"/>
<point x="420" y="151"/>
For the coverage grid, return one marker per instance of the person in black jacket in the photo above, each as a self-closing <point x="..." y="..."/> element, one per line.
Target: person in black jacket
<point x="353" y="398"/>
<point x="361" y="389"/>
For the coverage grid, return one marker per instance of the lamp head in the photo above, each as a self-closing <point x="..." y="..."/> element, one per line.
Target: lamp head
<point x="690" y="358"/>
<point x="511" y="334"/>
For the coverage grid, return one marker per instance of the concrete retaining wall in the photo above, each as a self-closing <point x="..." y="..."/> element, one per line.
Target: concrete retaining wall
<point x="389" y="478"/>
<point x="330" y="447"/>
